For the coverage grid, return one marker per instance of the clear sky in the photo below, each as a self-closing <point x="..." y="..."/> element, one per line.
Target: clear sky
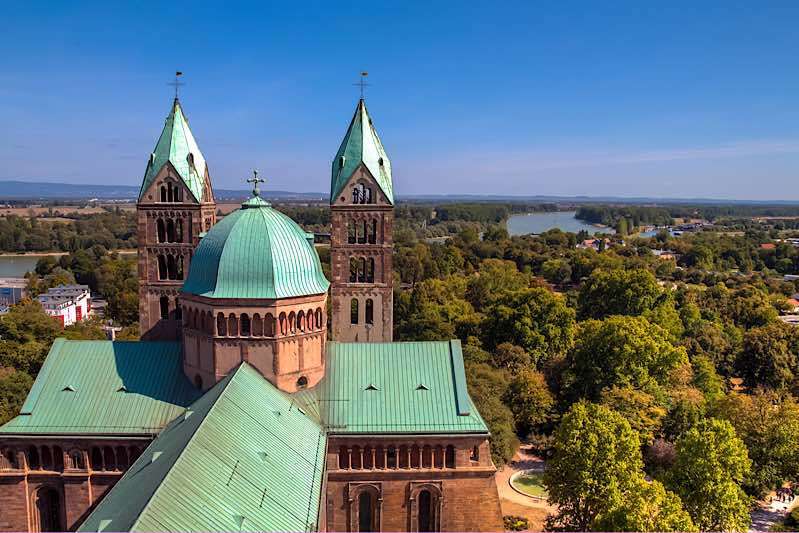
<point x="667" y="98"/>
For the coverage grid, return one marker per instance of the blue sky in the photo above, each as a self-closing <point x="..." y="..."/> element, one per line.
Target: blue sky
<point x="668" y="99"/>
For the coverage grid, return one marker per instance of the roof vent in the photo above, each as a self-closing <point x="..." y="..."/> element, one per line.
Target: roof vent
<point x="68" y="388"/>
<point x="238" y="520"/>
<point x="262" y="456"/>
<point x="422" y="386"/>
<point x="187" y="414"/>
<point x="156" y="455"/>
<point x="380" y="161"/>
<point x="341" y="161"/>
<point x="371" y="387"/>
<point x="123" y="389"/>
<point x="103" y="524"/>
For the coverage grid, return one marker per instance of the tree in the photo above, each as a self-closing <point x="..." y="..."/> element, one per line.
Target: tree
<point x="494" y="280"/>
<point x="596" y="459"/>
<point x="511" y="357"/>
<point x="487" y="386"/>
<point x="535" y="319"/>
<point x="529" y="399"/>
<point x="556" y="271"/>
<point x="618" y="292"/>
<point x="711" y="462"/>
<point x="621" y="351"/>
<point x="768" y="424"/>
<point x="769" y="356"/>
<point x="640" y="409"/>
<point x="14" y="387"/>
<point x="646" y="506"/>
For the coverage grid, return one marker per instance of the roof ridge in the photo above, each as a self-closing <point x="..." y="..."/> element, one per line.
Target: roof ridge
<point x="186" y="131"/>
<point x="188" y="442"/>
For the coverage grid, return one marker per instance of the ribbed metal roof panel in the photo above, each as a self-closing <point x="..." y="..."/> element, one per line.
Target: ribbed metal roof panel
<point x="255" y="252"/>
<point x="246" y="459"/>
<point x="104" y="387"/>
<point x="177" y="146"/>
<point x="361" y="145"/>
<point x="400" y="387"/>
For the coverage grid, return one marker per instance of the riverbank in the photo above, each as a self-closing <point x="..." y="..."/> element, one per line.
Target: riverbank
<point x="122" y="251"/>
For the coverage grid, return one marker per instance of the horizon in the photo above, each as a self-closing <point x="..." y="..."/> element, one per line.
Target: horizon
<point x="669" y="102"/>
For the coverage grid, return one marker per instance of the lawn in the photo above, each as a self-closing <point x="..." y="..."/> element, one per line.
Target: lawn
<point x="531" y="483"/>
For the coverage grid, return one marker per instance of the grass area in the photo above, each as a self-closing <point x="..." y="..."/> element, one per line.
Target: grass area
<point x="531" y="483"/>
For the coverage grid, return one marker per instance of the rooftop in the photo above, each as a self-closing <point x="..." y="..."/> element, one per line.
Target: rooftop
<point x="105" y="388"/>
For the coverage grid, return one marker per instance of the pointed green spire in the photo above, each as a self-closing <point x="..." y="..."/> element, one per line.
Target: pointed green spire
<point x="361" y="145"/>
<point x="177" y="146"/>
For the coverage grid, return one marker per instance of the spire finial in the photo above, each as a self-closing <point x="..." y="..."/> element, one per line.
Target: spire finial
<point x="362" y="82"/>
<point x="255" y="180"/>
<point x="177" y="83"/>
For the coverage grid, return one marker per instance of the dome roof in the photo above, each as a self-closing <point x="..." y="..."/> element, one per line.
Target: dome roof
<point x="255" y="252"/>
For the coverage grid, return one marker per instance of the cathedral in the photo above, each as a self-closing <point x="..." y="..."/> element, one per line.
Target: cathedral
<point x="252" y="403"/>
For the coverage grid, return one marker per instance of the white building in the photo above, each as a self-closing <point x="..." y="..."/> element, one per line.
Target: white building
<point x="68" y="303"/>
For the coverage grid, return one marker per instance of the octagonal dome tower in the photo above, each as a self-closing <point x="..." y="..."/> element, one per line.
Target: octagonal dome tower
<point x="255" y="292"/>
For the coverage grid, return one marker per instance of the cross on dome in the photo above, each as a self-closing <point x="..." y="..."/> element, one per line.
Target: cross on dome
<point x="255" y="180"/>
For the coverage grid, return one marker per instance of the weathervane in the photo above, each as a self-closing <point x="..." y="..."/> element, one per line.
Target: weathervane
<point x="177" y="83"/>
<point x="255" y="180"/>
<point x="362" y="83"/>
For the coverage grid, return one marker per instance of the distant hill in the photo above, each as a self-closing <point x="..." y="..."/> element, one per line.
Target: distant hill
<point x="26" y="190"/>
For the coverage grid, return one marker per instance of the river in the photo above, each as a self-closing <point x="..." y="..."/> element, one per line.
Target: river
<point x="541" y="222"/>
<point x="15" y="266"/>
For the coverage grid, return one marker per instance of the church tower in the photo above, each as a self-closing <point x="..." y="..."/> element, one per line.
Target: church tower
<point x="176" y="205"/>
<point x="361" y="241"/>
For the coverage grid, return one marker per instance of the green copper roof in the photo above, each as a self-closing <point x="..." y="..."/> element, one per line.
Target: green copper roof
<point x="243" y="457"/>
<point x="177" y="146"/>
<point x="400" y="387"/>
<point x="361" y="145"/>
<point x="104" y="387"/>
<point x="255" y="252"/>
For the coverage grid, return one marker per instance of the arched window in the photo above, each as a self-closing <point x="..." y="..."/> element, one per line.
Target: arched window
<point x="351" y="233"/>
<point x="362" y="270"/>
<point x="161" y="230"/>
<point x="221" y="325"/>
<point x="180" y="268"/>
<point x="318" y="318"/>
<point x="425" y="511"/>
<point x="47" y="458"/>
<point x="373" y="232"/>
<point x="283" y="326"/>
<point x="179" y="230"/>
<point x="269" y="325"/>
<point x="245" y="325"/>
<point x="198" y="382"/>
<point x="292" y="322"/>
<point x="8" y="460"/>
<point x="122" y="458"/>
<point x="108" y="458"/>
<point x="178" y="310"/>
<point x="367" y="195"/>
<point x="450" y="457"/>
<point x="176" y="194"/>
<point x="257" y="325"/>
<point x="370" y="270"/>
<point x="362" y="232"/>
<point x="169" y="193"/>
<point x="76" y="460"/>
<point x="170" y="230"/>
<point x="302" y="382"/>
<point x="301" y="321"/>
<point x="475" y="456"/>
<point x="232" y="325"/>
<point x="162" y="270"/>
<point x="171" y="267"/>
<point x="353" y="269"/>
<point x="48" y="510"/>
<point x="391" y="457"/>
<point x="164" y="302"/>
<point x="354" y="311"/>
<point x="343" y="458"/>
<point x="97" y="459"/>
<point x="366" y="512"/>
<point x="163" y="193"/>
<point x="369" y="311"/>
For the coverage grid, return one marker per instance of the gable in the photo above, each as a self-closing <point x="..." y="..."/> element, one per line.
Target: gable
<point x="361" y="176"/>
<point x="168" y="176"/>
<point x="105" y="388"/>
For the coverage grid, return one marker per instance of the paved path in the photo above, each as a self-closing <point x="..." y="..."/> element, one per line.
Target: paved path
<point x="512" y="502"/>
<point x="769" y="514"/>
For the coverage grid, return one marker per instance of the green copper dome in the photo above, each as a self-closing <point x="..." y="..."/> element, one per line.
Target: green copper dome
<point x="255" y="252"/>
